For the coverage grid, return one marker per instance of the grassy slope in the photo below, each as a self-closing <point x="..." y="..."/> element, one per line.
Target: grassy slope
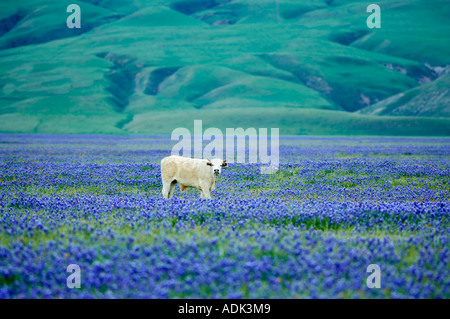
<point x="431" y="99"/>
<point x="291" y="122"/>
<point x="135" y="59"/>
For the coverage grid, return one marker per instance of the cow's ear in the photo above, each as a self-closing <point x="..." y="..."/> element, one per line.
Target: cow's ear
<point x="224" y="163"/>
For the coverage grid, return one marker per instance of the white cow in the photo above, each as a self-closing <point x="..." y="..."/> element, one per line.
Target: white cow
<point x="188" y="172"/>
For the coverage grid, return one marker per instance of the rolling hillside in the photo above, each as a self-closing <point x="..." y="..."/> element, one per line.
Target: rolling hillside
<point x="430" y="99"/>
<point x="308" y="67"/>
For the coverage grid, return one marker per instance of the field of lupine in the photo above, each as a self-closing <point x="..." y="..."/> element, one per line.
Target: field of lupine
<point x="335" y="206"/>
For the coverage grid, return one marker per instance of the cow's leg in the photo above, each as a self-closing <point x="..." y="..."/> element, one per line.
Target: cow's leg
<point x="201" y="194"/>
<point x="172" y="188"/>
<point x="166" y="189"/>
<point x="205" y="190"/>
<point x="207" y="194"/>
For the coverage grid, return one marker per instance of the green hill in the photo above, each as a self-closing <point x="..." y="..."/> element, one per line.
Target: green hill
<point x="431" y="99"/>
<point x="145" y="66"/>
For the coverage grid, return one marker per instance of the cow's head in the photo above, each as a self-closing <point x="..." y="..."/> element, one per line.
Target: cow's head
<point x="216" y="165"/>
